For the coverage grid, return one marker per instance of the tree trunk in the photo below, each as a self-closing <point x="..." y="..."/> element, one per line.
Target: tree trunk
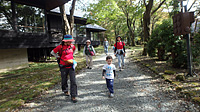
<point x="14" y="19"/>
<point x="146" y="23"/>
<point x="66" y="26"/>
<point x="72" y="17"/>
<point x="131" y="30"/>
<point x="133" y="39"/>
<point x="146" y="20"/>
<point x="128" y="39"/>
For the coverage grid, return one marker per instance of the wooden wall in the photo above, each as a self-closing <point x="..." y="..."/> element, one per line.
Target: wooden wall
<point x="11" y="39"/>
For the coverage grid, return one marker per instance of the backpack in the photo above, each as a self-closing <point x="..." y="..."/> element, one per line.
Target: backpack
<point x="60" y="53"/>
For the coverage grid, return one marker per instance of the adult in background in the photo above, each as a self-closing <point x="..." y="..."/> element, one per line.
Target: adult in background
<point x="89" y="51"/>
<point x="120" y="51"/>
<point x="105" y="45"/>
<point x="65" y="61"/>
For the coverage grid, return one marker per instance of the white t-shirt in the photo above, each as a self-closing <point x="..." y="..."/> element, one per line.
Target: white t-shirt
<point x="109" y="71"/>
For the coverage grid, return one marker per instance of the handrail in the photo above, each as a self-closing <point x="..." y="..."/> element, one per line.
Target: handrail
<point x="29" y="26"/>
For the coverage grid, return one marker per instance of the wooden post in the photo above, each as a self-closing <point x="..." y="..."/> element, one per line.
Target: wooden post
<point x="46" y="25"/>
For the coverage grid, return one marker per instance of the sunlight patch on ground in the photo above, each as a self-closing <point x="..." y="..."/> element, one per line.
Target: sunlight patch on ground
<point x="148" y="107"/>
<point x="46" y="83"/>
<point x="81" y="75"/>
<point x="33" y="104"/>
<point x="129" y="78"/>
<point x="99" y="65"/>
<point x="98" y="82"/>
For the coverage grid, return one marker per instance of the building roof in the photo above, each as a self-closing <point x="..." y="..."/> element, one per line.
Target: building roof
<point x="77" y="12"/>
<point x="44" y="4"/>
<point x="94" y="28"/>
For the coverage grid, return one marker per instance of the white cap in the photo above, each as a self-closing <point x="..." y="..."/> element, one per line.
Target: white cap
<point x="88" y="41"/>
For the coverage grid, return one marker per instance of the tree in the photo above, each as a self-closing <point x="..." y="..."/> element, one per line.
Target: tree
<point x="146" y="20"/>
<point x="68" y="25"/>
<point x="5" y="11"/>
<point x="118" y="15"/>
<point x="132" y="13"/>
<point x="21" y="16"/>
<point x="107" y="14"/>
<point x="71" y="17"/>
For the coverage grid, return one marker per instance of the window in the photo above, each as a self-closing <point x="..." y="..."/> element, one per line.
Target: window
<point x="28" y="19"/>
<point x="81" y="31"/>
<point x="94" y="36"/>
<point x="5" y="15"/>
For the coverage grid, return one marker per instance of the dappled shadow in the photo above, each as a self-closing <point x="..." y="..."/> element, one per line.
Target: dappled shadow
<point x="135" y="90"/>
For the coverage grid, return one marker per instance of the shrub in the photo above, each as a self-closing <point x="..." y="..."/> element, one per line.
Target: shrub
<point x="196" y="48"/>
<point x="166" y="46"/>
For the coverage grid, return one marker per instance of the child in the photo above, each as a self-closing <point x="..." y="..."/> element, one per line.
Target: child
<point x="109" y="71"/>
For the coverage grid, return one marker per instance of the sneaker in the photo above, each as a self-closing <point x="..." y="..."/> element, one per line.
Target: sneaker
<point x="111" y="95"/>
<point x="123" y="67"/>
<point x="120" y="69"/>
<point x="90" y="68"/>
<point x="67" y="93"/>
<point x="74" y="100"/>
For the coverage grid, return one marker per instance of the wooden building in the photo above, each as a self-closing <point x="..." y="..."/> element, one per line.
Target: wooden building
<point x="25" y="37"/>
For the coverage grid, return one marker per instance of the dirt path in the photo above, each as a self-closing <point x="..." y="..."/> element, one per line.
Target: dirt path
<point x="135" y="91"/>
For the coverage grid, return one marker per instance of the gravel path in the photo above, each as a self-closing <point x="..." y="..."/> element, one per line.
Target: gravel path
<point x="135" y="91"/>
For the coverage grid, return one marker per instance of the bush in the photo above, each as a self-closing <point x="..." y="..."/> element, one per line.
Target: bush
<point x="196" y="48"/>
<point x="166" y="46"/>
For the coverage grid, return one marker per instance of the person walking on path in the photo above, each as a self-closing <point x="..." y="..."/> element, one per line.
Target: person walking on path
<point x="134" y="91"/>
<point x="89" y="51"/>
<point x="119" y="51"/>
<point x="65" y="61"/>
<point x="105" y="45"/>
<point x="109" y="71"/>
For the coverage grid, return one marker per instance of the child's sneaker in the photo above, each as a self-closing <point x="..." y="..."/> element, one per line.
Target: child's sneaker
<point x="111" y="95"/>
<point x="120" y="69"/>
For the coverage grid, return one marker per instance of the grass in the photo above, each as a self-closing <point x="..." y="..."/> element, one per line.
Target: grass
<point x="20" y="86"/>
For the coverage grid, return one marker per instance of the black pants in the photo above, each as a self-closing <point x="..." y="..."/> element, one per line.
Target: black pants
<point x="64" y="75"/>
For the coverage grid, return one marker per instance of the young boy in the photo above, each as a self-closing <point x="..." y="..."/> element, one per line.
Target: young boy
<point x="109" y="71"/>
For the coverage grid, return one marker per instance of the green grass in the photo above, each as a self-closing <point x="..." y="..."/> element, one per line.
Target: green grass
<point x="23" y="85"/>
<point x="32" y="67"/>
<point x="136" y="48"/>
<point x="29" y="84"/>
